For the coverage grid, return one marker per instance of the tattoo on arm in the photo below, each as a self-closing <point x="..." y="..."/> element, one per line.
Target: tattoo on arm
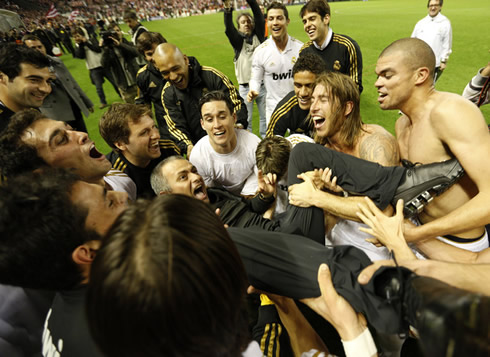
<point x="380" y="148"/>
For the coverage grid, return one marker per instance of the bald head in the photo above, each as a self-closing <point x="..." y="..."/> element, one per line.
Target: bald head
<point x="415" y="53"/>
<point x="172" y="64"/>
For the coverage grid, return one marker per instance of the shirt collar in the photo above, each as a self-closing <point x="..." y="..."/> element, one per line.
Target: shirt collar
<point x="326" y="42"/>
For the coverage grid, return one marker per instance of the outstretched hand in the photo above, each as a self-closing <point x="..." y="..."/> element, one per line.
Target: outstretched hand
<point x="385" y="229"/>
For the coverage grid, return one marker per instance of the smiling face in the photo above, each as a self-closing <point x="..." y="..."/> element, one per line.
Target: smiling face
<point x="143" y="142"/>
<point x="219" y="124"/>
<point x="434" y="8"/>
<point x="103" y="206"/>
<point x="315" y="27"/>
<point x="28" y="89"/>
<point x="174" y="67"/>
<point x="304" y="82"/>
<point x="60" y="146"/>
<point x="277" y="23"/>
<point x="183" y="179"/>
<point x="324" y="113"/>
<point x="395" y="81"/>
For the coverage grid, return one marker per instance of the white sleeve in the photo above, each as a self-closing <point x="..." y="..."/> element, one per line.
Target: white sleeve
<point x="447" y="42"/>
<point x="257" y="71"/>
<point x="415" y="31"/>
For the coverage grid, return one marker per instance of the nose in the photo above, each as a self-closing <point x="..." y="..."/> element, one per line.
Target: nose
<point x="155" y="133"/>
<point x="377" y="84"/>
<point x="303" y="92"/>
<point x="195" y="177"/>
<point x="45" y="87"/>
<point x="172" y="76"/>
<point x="314" y="105"/>
<point x="80" y="136"/>
<point x="119" y="198"/>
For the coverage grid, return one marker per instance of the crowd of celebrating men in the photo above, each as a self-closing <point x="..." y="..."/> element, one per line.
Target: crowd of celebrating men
<point x="195" y="237"/>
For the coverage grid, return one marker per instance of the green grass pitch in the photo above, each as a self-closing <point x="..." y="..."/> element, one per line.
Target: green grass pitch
<point x="373" y="24"/>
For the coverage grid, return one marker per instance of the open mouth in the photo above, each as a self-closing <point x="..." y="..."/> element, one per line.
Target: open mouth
<point x="219" y="133"/>
<point x="94" y="153"/>
<point x="318" y="122"/>
<point x="154" y="146"/>
<point x="381" y="96"/>
<point x="199" y="192"/>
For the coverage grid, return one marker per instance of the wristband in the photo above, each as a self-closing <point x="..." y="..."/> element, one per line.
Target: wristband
<point x="362" y="346"/>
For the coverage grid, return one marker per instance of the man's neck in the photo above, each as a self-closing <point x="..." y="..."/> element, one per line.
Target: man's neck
<point x="138" y="162"/>
<point x="415" y="107"/>
<point x="320" y="41"/>
<point x="226" y="148"/>
<point x="9" y="103"/>
<point x="282" y="42"/>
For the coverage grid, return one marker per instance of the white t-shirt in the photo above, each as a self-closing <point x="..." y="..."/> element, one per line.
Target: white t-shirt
<point x="236" y="171"/>
<point x="275" y="69"/>
<point x="119" y="181"/>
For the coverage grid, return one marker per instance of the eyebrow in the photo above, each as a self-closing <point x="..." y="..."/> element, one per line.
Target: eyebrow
<point x="57" y="132"/>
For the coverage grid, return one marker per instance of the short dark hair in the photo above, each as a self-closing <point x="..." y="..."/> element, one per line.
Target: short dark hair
<point x="415" y="52"/>
<point x="272" y="155"/>
<point x="30" y="37"/>
<point x="216" y="96"/>
<point x="321" y="7"/>
<point x="167" y="282"/>
<point x="39" y="230"/>
<point x="15" y="155"/>
<point x="12" y="55"/>
<point x="309" y="62"/>
<point x="130" y="14"/>
<point x="278" y="5"/>
<point x="440" y="3"/>
<point x="147" y="39"/>
<point x="114" y="123"/>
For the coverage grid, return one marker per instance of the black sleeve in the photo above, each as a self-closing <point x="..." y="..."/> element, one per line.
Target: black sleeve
<point x="129" y="50"/>
<point x="258" y="19"/>
<point x="141" y="82"/>
<point x="176" y="122"/>
<point x="94" y="46"/>
<point x="281" y="117"/>
<point x="259" y="205"/>
<point x="80" y="51"/>
<point x="236" y="40"/>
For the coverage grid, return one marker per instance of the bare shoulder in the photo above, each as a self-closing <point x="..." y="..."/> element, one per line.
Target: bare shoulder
<point x="379" y="145"/>
<point x="401" y="124"/>
<point x="451" y="113"/>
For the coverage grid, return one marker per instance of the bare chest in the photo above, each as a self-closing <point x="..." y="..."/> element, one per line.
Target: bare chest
<point x="419" y="143"/>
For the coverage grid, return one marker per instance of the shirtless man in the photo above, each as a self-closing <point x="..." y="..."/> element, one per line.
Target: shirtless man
<point x="431" y="130"/>
<point x="335" y="114"/>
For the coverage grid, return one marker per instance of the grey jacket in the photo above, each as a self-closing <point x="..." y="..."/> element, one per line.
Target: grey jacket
<point x="57" y="103"/>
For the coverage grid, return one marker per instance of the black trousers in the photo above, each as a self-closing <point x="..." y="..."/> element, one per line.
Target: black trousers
<point x="354" y="175"/>
<point x="288" y="264"/>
